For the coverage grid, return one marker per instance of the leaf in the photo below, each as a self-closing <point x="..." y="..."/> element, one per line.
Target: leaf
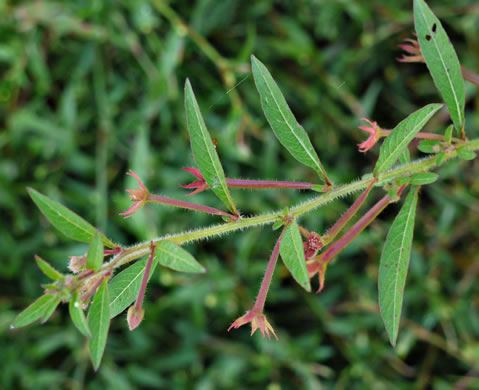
<point x="441" y="60"/>
<point x="50" y="308"/>
<point x="394" y="265"/>
<point x="405" y="157"/>
<point x="204" y="151"/>
<point x="33" y="312"/>
<point x="48" y="269"/>
<point x="424" y="178"/>
<point x="465" y="154"/>
<point x="94" y="258"/>
<point x="78" y="317"/>
<point x="430" y="146"/>
<point x="448" y="134"/>
<point x="173" y="256"/>
<point x="99" y="323"/>
<point x="125" y="286"/>
<point x="281" y="119"/>
<point x="65" y="220"/>
<point x="401" y="135"/>
<point x="292" y="253"/>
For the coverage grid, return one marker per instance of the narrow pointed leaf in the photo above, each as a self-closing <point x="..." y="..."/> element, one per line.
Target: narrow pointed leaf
<point x="125" y="286"/>
<point x="394" y="265"/>
<point x="48" y="269"/>
<point x="441" y="60"/>
<point x="78" y="317"/>
<point x="281" y="119"/>
<point x="292" y="253"/>
<point x="402" y="134"/>
<point x="173" y="256"/>
<point x="204" y="151"/>
<point x="424" y="178"/>
<point x="33" y="312"/>
<point x="99" y="323"/>
<point x="50" y="308"/>
<point x="65" y="220"/>
<point x="94" y="258"/>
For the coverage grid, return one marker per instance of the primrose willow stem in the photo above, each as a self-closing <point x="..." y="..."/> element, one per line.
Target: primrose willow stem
<point x="263" y="184"/>
<point x="186" y="205"/>
<point x="339" y="225"/>
<point x="146" y="276"/>
<point x="357" y="228"/>
<point x="385" y="133"/>
<point x="423" y="165"/>
<point x="268" y="275"/>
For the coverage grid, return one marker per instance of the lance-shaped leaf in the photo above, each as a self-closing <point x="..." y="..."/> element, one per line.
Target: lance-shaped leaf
<point x="292" y="253"/>
<point x="94" y="258"/>
<point x="125" y="286"/>
<point x="65" y="220"/>
<point x="394" y="265"/>
<point x="50" y="308"/>
<point x="34" y="312"/>
<point x="78" y="317"/>
<point x="99" y="323"/>
<point x="204" y="151"/>
<point x="173" y="256"/>
<point x="281" y="119"/>
<point x="402" y="134"/>
<point x="48" y="269"/>
<point x="441" y="60"/>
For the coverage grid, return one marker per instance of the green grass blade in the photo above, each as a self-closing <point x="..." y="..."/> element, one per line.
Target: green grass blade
<point x="281" y="119"/>
<point x="394" y="265"/>
<point x="94" y="258"/>
<point x="65" y="220"/>
<point x="204" y="151"/>
<point x="173" y="256"/>
<point x="99" y="323"/>
<point x="35" y="311"/>
<point x="292" y="253"/>
<point x="125" y="286"/>
<point x="396" y="142"/>
<point x="441" y="60"/>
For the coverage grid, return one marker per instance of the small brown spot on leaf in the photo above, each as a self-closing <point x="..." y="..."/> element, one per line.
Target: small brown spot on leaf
<point x="434" y="28"/>
<point x="428" y="37"/>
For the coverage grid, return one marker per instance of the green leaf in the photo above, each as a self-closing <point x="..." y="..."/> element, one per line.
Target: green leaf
<point x="448" y="134"/>
<point x="292" y="253"/>
<point x="465" y="154"/>
<point x="394" y="265"/>
<point x="48" y="269"/>
<point x="33" y="312"/>
<point x="125" y="286"/>
<point x="94" y="258"/>
<point x="173" y="256"/>
<point x="440" y="158"/>
<point x="204" y="151"/>
<point x="430" y="146"/>
<point x="78" y="317"/>
<point x="65" y="220"/>
<point x="405" y="157"/>
<point x="424" y="178"/>
<point x="99" y="323"/>
<point x="401" y="135"/>
<point x="441" y="60"/>
<point x="50" y="308"/>
<point x="281" y="119"/>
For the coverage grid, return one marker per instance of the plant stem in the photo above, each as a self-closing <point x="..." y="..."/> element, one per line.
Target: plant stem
<point x="469" y="75"/>
<point x="385" y="133"/>
<point x="146" y="276"/>
<point x="187" y="205"/>
<point x="263" y="184"/>
<point x="422" y="165"/>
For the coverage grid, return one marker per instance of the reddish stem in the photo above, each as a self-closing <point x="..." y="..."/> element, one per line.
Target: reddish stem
<point x="469" y="76"/>
<point x="385" y="133"/>
<point x="339" y="225"/>
<point x="263" y="184"/>
<point x="86" y="296"/>
<point x="144" y="281"/>
<point x="357" y="228"/>
<point x="187" y="205"/>
<point x="268" y="275"/>
<point x="115" y="251"/>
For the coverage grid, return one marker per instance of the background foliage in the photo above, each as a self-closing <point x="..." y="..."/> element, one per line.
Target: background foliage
<point x="90" y="89"/>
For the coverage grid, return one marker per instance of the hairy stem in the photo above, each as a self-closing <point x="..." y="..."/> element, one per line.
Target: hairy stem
<point x="423" y="165"/>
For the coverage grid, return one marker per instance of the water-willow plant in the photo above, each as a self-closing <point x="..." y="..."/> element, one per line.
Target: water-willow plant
<point x="93" y="284"/>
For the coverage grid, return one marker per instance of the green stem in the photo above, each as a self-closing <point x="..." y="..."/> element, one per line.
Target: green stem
<point x="424" y="165"/>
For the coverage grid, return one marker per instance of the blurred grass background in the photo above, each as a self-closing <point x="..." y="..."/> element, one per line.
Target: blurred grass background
<point x="90" y="89"/>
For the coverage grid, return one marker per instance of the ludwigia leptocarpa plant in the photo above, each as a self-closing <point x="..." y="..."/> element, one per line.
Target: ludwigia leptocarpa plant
<point x="94" y="285"/>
